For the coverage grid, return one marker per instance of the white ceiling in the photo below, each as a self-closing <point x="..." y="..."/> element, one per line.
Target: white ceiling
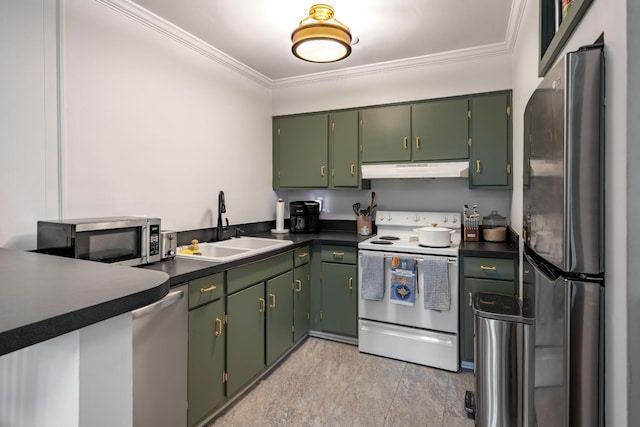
<point x="257" y="33"/>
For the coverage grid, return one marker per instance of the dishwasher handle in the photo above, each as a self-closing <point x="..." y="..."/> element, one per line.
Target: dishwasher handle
<point x="171" y="298"/>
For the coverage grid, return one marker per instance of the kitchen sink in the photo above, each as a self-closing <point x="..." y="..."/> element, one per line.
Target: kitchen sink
<point x="229" y="250"/>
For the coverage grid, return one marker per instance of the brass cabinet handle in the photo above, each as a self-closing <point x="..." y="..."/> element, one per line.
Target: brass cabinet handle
<point x="262" y="307"/>
<point x="418" y="142"/>
<point x="353" y="169"/>
<point x="322" y="170"/>
<point x="338" y="254"/>
<point x="350" y="283"/>
<point x="298" y="285"/>
<point x="489" y="268"/>
<point x="478" y="166"/>
<point x="470" y="299"/>
<point x="209" y="289"/>
<point x="406" y="142"/>
<point x="303" y="255"/>
<point x="273" y="301"/>
<point x="218" y="327"/>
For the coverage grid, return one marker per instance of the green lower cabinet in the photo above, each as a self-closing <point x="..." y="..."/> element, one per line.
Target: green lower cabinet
<point x="301" y="301"/>
<point x="339" y="299"/>
<point x="470" y="287"/>
<point x="279" y="316"/>
<point x="206" y="360"/>
<point x="245" y="336"/>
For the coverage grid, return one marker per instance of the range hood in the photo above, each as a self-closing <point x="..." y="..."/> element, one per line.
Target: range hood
<point x="416" y="170"/>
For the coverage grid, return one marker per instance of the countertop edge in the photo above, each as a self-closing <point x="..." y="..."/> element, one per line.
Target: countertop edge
<point x="44" y="330"/>
<point x="197" y="268"/>
<point x="32" y="283"/>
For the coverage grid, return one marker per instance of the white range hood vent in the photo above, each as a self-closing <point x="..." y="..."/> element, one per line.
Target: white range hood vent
<point x="416" y="170"/>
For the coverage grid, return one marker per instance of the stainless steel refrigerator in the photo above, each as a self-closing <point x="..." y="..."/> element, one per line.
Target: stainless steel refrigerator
<point x="563" y="231"/>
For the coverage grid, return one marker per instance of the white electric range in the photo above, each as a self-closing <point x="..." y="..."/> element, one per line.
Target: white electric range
<point x="404" y="331"/>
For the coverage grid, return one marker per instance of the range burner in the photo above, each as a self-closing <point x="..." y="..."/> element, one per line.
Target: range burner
<point x="389" y="238"/>
<point x="427" y="246"/>
<point x="382" y="242"/>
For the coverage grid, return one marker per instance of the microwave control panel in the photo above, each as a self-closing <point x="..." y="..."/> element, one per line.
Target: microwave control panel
<point x="154" y="240"/>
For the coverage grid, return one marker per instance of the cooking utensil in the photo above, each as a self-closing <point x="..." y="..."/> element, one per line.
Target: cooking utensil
<point x="434" y="236"/>
<point x="373" y="199"/>
<point x="356" y="209"/>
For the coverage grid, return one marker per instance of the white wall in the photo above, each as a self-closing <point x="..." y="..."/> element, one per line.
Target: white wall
<point x="28" y="119"/>
<point x="154" y="127"/>
<point x="435" y="80"/>
<point x="608" y="16"/>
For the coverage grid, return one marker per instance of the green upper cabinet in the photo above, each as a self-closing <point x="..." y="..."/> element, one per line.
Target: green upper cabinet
<point x="385" y="134"/>
<point x="440" y="130"/>
<point x="343" y="149"/>
<point x="490" y="129"/>
<point x="302" y="151"/>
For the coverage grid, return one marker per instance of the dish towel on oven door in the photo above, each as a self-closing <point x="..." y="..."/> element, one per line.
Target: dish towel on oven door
<point x="403" y="280"/>
<point x="372" y="267"/>
<point x="435" y="279"/>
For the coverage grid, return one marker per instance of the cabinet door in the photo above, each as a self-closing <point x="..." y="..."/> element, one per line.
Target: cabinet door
<point x="440" y="130"/>
<point x="245" y="336"/>
<point x="490" y="161"/>
<point x="385" y="134"/>
<point x="339" y="299"/>
<point x="206" y="359"/>
<point x="345" y="171"/>
<point x="279" y="316"/>
<point x="301" y="301"/>
<point x="471" y="287"/>
<point x="303" y="150"/>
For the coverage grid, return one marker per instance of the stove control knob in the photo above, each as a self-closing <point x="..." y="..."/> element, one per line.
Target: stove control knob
<point x="454" y="219"/>
<point x="380" y="217"/>
<point x="416" y="218"/>
<point x="389" y="218"/>
<point x="445" y="220"/>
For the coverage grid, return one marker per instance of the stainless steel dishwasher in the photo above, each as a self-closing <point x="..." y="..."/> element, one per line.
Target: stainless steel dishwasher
<point x="160" y="336"/>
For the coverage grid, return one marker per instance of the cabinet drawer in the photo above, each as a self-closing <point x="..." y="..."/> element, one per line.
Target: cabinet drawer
<point x="301" y="256"/>
<point x="490" y="268"/>
<point x="256" y="272"/>
<point x="205" y="289"/>
<point x="339" y="254"/>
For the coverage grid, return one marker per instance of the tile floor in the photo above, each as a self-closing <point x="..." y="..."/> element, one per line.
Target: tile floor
<point x="325" y="383"/>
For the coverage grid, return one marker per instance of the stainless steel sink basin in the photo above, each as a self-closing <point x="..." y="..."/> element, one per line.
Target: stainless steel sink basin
<point x="229" y="250"/>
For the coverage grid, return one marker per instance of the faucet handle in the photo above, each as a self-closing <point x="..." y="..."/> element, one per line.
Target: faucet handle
<point x="239" y="232"/>
<point x="227" y="221"/>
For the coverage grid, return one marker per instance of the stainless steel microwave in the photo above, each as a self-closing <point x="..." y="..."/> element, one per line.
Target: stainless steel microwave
<point x="115" y="240"/>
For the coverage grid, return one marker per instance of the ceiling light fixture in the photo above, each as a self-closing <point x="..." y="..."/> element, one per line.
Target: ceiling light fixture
<point x="320" y="37"/>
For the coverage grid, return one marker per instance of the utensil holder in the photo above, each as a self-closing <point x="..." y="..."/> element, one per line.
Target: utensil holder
<point x="361" y="222"/>
<point x="471" y="234"/>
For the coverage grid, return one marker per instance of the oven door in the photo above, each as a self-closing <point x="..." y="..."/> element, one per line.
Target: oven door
<point x="415" y="316"/>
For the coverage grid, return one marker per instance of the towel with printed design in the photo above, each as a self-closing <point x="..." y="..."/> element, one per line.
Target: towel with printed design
<point x="403" y="280"/>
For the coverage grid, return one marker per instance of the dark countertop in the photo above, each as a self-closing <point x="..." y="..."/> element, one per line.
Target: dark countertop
<point x="45" y="296"/>
<point x="508" y="249"/>
<point x="182" y="270"/>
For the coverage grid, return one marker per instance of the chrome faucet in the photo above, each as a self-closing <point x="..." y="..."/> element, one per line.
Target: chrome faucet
<point x="221" y="209"/>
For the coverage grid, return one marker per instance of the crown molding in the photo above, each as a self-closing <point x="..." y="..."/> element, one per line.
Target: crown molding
<point x="498" y="49"/>
<point x="166" y="28"/>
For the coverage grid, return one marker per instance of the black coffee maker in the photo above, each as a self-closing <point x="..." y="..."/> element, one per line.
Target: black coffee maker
<point x="304" y="216"/>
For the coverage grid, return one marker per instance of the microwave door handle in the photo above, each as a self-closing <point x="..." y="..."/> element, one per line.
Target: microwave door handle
<point x="145" y="244"/>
